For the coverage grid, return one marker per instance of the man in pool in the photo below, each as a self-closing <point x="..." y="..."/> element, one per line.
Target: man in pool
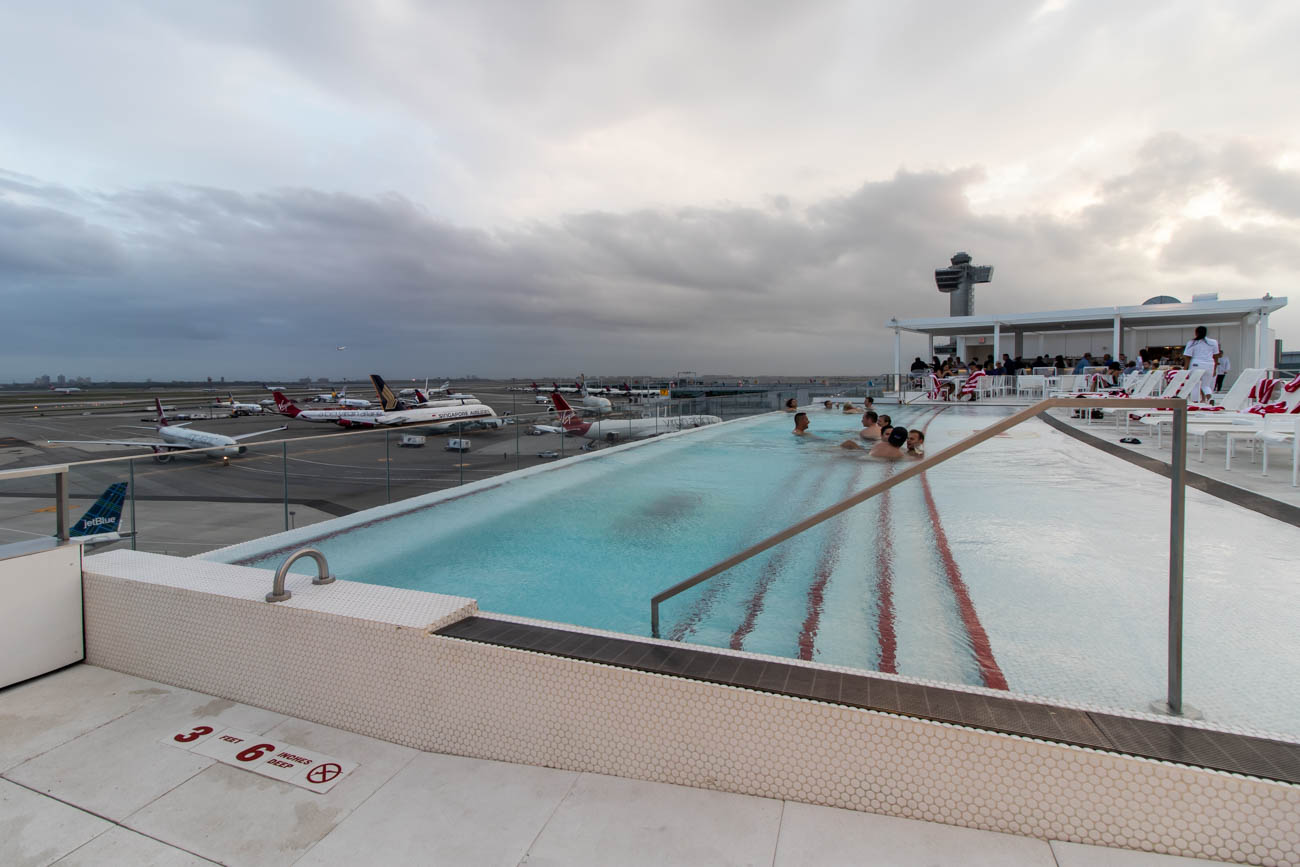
<point x="801" y="424"/>
<point x="915" y="444"/>
<point x="870" y="427"/>
<point x="892" y="448"/>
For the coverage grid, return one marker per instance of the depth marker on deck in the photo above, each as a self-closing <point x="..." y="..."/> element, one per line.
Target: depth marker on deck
<point x="263" y="755"/>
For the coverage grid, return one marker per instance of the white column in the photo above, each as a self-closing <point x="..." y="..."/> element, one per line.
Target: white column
<point x="1263" y="352"/>
<point x="961" y="347"/>
<point x="898" y="360"/>
<point x="929" y="352"/>
<point x="1115" y="346"/>
<point x="997" y="342"/>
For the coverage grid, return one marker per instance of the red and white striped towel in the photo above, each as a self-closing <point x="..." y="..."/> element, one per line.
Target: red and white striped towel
<point x="1262" y="390"/>
<point x="971" y="385"/>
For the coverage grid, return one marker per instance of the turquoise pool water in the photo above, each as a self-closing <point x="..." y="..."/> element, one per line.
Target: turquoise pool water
<point x="1033" y="562"/>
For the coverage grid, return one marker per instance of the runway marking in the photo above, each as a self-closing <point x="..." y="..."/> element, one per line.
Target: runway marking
<point x="53" y="509"/>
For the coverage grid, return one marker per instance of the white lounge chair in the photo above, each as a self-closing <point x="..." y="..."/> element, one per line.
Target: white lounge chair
<point x="1182" y="383"/>
<point x="1031" y="384"/>
<point x="1244" y="426"/>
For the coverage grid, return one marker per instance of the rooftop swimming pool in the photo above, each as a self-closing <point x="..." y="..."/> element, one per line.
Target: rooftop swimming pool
<point x="1032" y="562"/>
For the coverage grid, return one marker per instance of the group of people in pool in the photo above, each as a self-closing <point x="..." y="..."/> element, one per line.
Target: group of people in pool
<point x="879" y="436"/>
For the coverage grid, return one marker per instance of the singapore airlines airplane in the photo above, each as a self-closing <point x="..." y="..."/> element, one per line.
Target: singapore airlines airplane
<point x="431" y="414"/>
<point x="180" y="437"/>
<point x="614" y="430"/>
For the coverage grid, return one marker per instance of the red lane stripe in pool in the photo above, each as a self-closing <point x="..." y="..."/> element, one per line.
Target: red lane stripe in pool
<point x="771" y="569"/>
<point x="989" y="670"/>
<point x="885" y="588"/>
<point x="704" y="604"/>
<point x="817" y="590"/>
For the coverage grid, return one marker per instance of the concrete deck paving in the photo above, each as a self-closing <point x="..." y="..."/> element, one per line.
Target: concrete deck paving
<point x="88" y="775"/>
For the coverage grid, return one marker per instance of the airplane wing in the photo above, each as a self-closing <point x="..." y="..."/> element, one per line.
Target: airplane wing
<point x="547" y="428"/>
<point x="260" y="432"/>
<point x="156" y="444"/>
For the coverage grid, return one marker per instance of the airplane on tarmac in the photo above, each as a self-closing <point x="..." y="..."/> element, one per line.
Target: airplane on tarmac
<point x="99" y="524"/>
<point x="341" y="415"/>
<point x="431" y="415"/>
<point x="340" y="398"/>
<point x="598" y="405"/>
<point x="67" y="389"/>
<point x="237" y="409"/>
<point x="614" y="430"/>
<point x="410" y="398"/>
<point x="180" y="437"/>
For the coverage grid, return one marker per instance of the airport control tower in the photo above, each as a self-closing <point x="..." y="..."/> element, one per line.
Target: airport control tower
<point x="959" y="281"/>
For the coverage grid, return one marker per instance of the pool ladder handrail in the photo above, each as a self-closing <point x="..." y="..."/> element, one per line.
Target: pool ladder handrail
<point x="323" y="573"/>
<point x="1173" y="703"/>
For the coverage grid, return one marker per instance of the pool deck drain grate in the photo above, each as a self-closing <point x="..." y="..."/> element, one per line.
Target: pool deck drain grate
<point x="1152" y="739"/>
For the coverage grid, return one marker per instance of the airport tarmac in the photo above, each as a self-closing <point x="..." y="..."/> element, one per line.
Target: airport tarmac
<point x="194" y="503"/>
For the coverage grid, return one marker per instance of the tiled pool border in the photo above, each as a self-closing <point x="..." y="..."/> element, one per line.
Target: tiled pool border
<point x="368" y="660"/>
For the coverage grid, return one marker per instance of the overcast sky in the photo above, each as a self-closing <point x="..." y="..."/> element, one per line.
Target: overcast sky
<point x="526" y="188"/>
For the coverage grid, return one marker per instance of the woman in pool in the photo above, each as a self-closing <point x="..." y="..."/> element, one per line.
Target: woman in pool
<point x="848" y="408"/>
<point x="792" y="405"/>
<point x="892" y="448"/>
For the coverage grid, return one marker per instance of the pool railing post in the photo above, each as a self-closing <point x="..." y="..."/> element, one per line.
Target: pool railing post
<point x="62" y="525"/>
<point x="388" y="468"/>
<point x="284" y="467"/>
<point x="1177" y="515"/>
<point x="135" y="531"/>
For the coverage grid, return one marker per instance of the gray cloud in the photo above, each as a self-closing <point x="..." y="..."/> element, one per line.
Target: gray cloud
<point x="189" y="281"/>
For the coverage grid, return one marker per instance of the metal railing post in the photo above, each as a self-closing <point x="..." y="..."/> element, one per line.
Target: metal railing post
<point x="61" y="504"/>
<point x="284" y="465"/>
<point x="1177" y="514"/>
<point x="388" y="469"/>
<point x="1174" y="700"/>
<point x="135" y="529"/>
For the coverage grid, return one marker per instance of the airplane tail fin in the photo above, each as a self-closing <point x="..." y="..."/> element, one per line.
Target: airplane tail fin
<point x="567" y="417"/>
<point x="283" y="405"/>
<point x="162" y="419"/>
<point x="104" y="516"/>
<point x="420" y="396"/>
<point x="387" y="400"/>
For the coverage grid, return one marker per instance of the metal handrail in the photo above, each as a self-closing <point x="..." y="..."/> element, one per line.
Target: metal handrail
<point x="1174" y="702"/>
<point x="323" y="573"/>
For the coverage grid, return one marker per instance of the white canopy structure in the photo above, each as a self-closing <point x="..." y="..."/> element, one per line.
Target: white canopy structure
<point x="1240" y="325"/>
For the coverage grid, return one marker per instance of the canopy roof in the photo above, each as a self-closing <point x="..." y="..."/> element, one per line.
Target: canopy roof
<point x="1096" y="318"/>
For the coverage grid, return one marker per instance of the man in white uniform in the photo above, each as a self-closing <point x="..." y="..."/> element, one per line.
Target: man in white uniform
<point x="1221" y="370"/>
<point x="1202" y="353"/>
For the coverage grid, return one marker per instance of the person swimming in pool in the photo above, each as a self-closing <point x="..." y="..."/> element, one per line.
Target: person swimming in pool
<point x="891" y="448"/>
<point x="801" y="424"/>
<point x="848" y="408"/>
<point x="792" y="405"/>
<point x="870" y="426"/>
<point x="915" y="444"/>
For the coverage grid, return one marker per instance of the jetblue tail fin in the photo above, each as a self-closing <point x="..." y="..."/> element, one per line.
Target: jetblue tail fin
<point x="104" y="516"/>
<point x="387" y="400"/>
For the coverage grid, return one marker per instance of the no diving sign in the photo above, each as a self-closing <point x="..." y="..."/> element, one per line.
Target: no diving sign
<point x="262" y="755"/>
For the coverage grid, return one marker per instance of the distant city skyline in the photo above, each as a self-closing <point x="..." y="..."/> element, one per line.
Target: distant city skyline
<point x="501" y="187"/>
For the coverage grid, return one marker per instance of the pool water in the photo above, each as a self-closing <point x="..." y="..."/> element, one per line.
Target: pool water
<point x="1032" y="562"/>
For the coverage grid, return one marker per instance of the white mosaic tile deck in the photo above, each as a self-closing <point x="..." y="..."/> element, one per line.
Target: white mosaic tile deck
<point x="401" y="684"/>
